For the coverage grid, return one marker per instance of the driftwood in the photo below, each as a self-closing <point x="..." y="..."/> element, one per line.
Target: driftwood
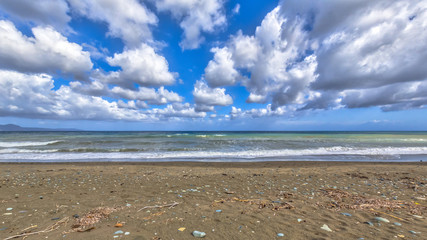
<point x="170" y="205"/>
<point x="46" y="230"/>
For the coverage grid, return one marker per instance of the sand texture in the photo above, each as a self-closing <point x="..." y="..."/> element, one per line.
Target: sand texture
<point x="301" y="200"/>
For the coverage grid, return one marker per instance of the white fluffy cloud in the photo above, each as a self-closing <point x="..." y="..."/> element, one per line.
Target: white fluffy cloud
<point x="142" y="66"/>
<point x="31" y="95"/>
<point x="177" y="110"/>
<point x="195" y="17"/>
<point x="220" y="71"/>
<point x="331" y="54"/>
<point x="159" y="97"/>
<point x="129" y="20"/>
<point x="47" y="52"/>
<point x="206" y="98"/>
<point x="41" y="12"/>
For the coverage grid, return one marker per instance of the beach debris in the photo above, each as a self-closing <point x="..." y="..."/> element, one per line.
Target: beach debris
<point x="3" y="228"/>
<point x="280" y="235"/>
<point x="118" y="225"/>
<point x="55" y="218"/>
<point x="25" y="232"/>
<point x="417" y="216"/>
<point x="299" y="220"/>
<point x="369" y="223"/>
<point x="127" y="233"/>
<point x="88" y="220"/>
<point x="198" y="234"/>
<point x="260" y="202"/>
<point x="181" y="229"/>
<point x="76" y="216"/>
<point x="7" y="214"/>
<point x="326" y="228"/>
<point x="345" y="200"/>
<point x="346" y="214"/>
<point x="119" y="232"/>
<point x="170" y="205"/>
<point x="218" y="211"/>
<point x="380" y="219"/>
<point x="397" y="224"/>
<point x="9" y="209"/>
<point x="401" y="236"/>
<point x="413" y="232"/>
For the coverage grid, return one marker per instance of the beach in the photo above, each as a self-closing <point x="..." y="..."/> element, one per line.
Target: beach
<point x="258" y="200"/>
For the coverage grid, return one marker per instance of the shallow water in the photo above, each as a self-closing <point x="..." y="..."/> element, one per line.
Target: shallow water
<point x="212" y="146"/>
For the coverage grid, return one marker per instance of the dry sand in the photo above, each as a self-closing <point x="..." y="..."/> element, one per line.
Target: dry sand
<point x="256" y="200"/>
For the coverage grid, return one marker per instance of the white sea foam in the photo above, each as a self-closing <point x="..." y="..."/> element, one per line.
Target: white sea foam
<point x="200" y="155"/>
<point x="25" y="144"/>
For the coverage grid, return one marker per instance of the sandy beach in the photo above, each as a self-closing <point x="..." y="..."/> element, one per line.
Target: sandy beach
<point x="301" y="200"/>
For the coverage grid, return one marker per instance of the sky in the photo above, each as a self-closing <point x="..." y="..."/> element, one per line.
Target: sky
<point x="288" y="65"/>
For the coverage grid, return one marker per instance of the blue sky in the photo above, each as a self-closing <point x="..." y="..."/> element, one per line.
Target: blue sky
<point x="214" y="64"/>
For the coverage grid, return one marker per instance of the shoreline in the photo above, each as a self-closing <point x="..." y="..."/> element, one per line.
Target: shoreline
<point x="227" y="200"/>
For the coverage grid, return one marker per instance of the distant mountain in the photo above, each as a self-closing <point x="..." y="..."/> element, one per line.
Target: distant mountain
<point x="16" y="128"/>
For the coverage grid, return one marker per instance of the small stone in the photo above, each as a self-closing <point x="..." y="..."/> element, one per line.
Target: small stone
<point x="369" y="223"/>
<point x="127" y="233"/>
<point x="397" y="224"/>
<point x="2" y="229"/>
<point x="299" y="220"/>
<point x="76" y="216"/>
<point x="326" y="228"/>
<point x="198" y="234"/>
<point x="57" y="218"/>
<point x="346" y="214"/>
<point x="181" y="229"/>
<point x="128" y="204"/>
<point x="380" y="219"/>
<point x="41" y="197"/>
<point x="280" y="235"/>
<point x="118" y="225"/>
<point x="401" y="236"/>
<point x="420" y="217"/>
<point x="7" y="214"/>
<point x="413" y="232"/>
<point x="119" y="232"/>
<point x="9" y="209"/>
<point x="218" y="211"/>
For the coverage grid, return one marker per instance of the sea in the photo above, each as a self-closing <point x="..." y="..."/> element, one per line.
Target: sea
<point x="212" y="146"/>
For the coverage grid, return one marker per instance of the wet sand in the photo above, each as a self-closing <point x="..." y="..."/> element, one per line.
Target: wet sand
<point x="224" y="200"/>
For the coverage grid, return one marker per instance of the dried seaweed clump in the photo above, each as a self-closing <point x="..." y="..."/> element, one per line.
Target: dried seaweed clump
<point x="345" y="200"/>
<point x="87" y="221"/>
<point x="273" y="205"/>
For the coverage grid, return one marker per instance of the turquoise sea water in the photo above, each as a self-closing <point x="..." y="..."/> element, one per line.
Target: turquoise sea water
<point x="212" y="146"/>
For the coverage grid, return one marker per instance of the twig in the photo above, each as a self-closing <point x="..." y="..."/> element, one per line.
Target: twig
<point x="170" y="205"/>
<point x="401" y="219"/>
<point x="46" y="230"/>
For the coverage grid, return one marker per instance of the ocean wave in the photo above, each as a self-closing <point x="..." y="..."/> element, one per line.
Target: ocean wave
<point x="26" y="144"/>
<point x="190" y="155"/>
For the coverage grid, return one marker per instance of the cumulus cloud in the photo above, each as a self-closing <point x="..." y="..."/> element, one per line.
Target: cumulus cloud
<point x="159" y="97"/>
<point x="220" y="71"/>
<point x="129" y="20"/>
<point x="47" y="52"/>
<point x="142" y="66"/>
<point x="32" y="96"/>
<point x="206" y="98"/>
<point x="40" y="12"/>
<point x="332" y="54"/>
<point x="195" y="17"/>
<point x="177" y="110"/>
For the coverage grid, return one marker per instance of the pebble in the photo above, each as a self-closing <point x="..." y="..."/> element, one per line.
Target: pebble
<point x="181" y="229"/>
<point x="369" y="223"/>
<point x="326" y="228"/>
<point x="128" y="204"/>
<point x="417" y="216"/>
<point x="41" y="197"/>
<point x="346" y="214"/>
<point x="57" y="218"/>
<point x="127" y="233"/>
<point x="280" y="235"/>
<point x="7" y="214"/>
<point x="198" y="234"/>
<point x="2" y="229"/>
<point x="413" y="232"/>
<point x="9" y="209"/>
<point x="299" y="220"/>
<point x="380" y="219"/>
<point x="76" y="216"/>
<point x="218" y="211"/>
<point x="119" y="232"/>
<point x="397" y="224"/>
